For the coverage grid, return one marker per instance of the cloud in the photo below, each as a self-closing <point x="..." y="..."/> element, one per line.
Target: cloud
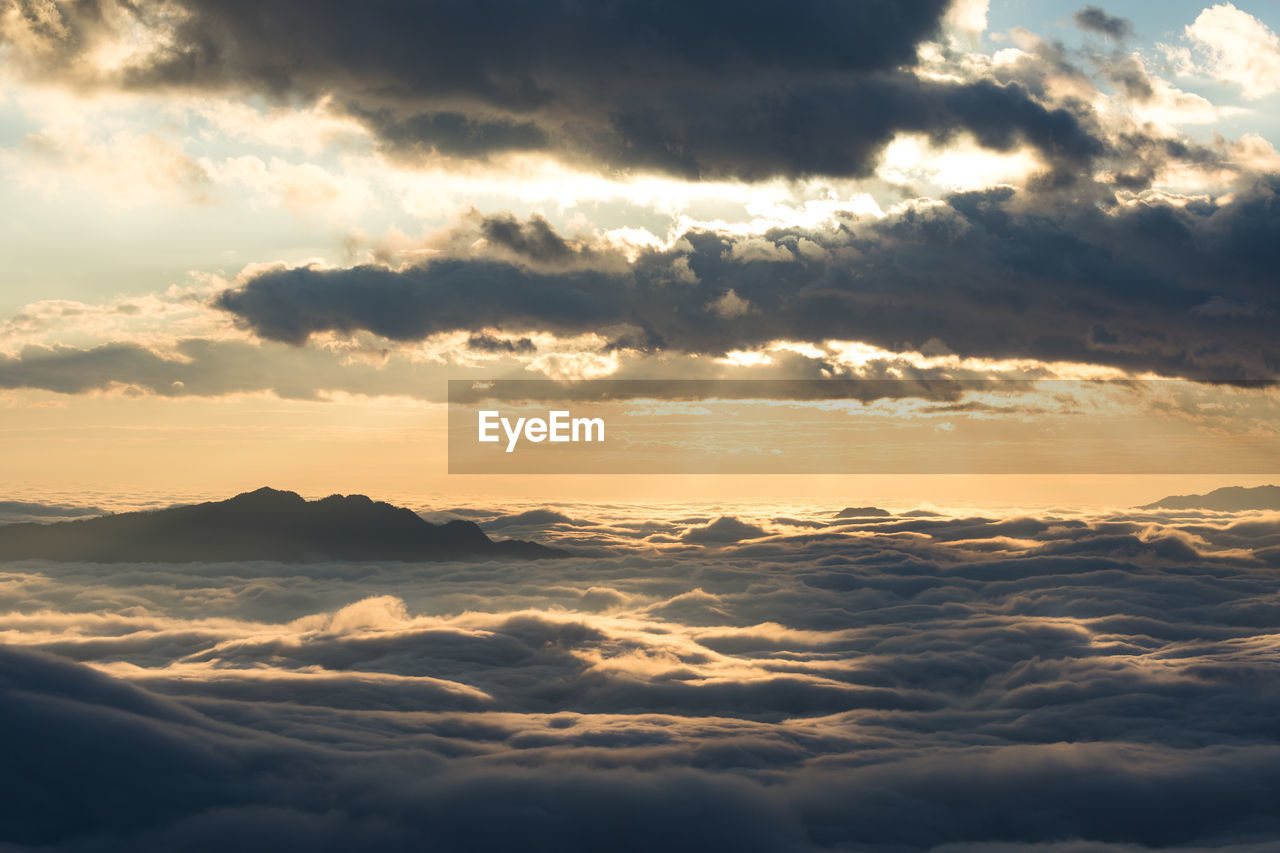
<point x="213" y="367"/>
<point x="968" y="16"/>
<point x="731" y="304"/>
<point x="1095" y="19"/>
<point x="1238" y="48"/>
<point x="895" y="686"/>
<point x="1116" y="286"/>
<point x="108" y="766"/>
<point x="200" y="366"/>
<point x="20" y="511"/>
<point x="533" y="242"/>
<point x="128" y="169"/>
<point x="1130" y="74"/>
<point x="722" y="530"/>
<point x="488" y="343"/>
<point x="729" y="91"/>
<point x="303" y="188"/>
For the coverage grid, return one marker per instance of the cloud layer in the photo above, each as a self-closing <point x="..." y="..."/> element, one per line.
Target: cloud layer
<point x="903" y="682"/>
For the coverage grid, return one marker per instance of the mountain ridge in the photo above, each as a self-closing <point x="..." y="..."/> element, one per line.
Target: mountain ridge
<point x="264" y="524"/>
<point x="1226" y="499"/>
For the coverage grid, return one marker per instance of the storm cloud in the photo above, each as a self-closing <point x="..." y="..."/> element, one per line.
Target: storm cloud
<point x="1177" y="289"/>
<point x="745" y="90"/>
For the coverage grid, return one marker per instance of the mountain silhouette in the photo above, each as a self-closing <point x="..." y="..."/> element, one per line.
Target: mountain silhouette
<point x="266" y="524"/>
<point x="863" y="512"/>
<point x="1229" y="499"/>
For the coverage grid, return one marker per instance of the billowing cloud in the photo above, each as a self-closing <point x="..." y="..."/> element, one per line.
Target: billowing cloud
<point x="905" y="682"/>
<point x="968" y="16"/>
<point x="989" y="274"/>
<point x="1238" y="48"/>
<point x="729" y="90"/>
<point x="722" y="530"/>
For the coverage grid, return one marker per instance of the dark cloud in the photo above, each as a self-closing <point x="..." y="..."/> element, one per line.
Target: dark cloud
<point x="104" y="766"/>
<point x="488" y="343"/>
<point x="290" y="305"/>
<point x="1095" y="19"/>
<point x="747" y="90"/>
<point x="1128" y="73"/>
<point x="450" y="133"/>
<point x="1124" y="285"/>
<point x="840" y="128"/>
<point x="534" y="240"/>
<point x="926" y="385"/>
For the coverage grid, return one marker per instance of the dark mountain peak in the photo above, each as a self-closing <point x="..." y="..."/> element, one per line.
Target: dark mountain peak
<point x="1228" y="499"/>
<point x="466" y="530"/>
<point x="265" y="524"/>
<point x="863" y="512"/>
<point x="266" y="496"/>
<point x="350" y="501"/>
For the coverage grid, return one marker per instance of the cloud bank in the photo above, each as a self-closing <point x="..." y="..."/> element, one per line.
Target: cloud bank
<point x="724" y="90"/>
<point x="903" y="682"/>
<point x="1177" y="289"/>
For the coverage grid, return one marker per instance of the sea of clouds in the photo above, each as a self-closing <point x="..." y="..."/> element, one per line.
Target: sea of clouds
<point x="767" y="681"/>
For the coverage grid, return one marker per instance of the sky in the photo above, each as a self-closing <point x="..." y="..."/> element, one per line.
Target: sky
<point x="237" y="243"/>
<point x="940" y="297"/>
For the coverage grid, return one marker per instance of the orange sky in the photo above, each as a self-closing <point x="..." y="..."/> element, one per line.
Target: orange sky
<point x="114" y="444"/>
